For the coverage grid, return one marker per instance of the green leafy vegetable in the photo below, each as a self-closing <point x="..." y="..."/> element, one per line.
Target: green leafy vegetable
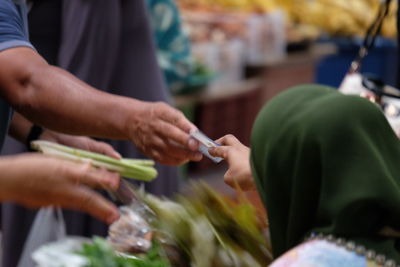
<point x="201" y="229"/>
<point x="210" y="230"/>
<point x="100" y="254"/>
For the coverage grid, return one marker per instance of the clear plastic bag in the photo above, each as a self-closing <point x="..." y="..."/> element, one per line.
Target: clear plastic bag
<point x="131" y="233"/>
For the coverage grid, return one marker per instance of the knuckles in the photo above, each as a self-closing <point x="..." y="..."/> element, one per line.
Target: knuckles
<point x="160" y="108"/>
<point x="229" y="138"/>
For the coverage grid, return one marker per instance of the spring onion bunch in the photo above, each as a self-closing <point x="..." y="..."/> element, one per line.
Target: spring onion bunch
<point x="130" y="168"/>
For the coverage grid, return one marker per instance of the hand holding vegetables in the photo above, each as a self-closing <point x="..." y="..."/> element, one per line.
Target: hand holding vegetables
<point x="21" y="126"/>
<point x="37" y="180"/>
<point x="237" y="155"/>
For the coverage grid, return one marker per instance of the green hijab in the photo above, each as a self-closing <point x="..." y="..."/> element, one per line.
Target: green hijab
<point x="327" y="163"/>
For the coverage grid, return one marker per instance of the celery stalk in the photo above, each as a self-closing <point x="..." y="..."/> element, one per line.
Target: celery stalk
<point x="131" y="168"/>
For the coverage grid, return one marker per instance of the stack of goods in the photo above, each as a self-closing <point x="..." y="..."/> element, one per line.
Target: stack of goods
<point x="336" y="17"/>
<point x="306" y="20"/>
<point x="229" y="34"/>
<point x="201" y="230"/>
<point x="341" y="17"/>
<point x="250" y="6"/>
<point x="217" y="42"/>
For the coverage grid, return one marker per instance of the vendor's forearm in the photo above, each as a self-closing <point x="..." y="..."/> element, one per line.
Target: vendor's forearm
<point x="52" y="97"/>
<point x="79" y="109"/>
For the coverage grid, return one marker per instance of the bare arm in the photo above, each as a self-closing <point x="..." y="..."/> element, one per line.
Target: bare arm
<point x="51" y="97"/>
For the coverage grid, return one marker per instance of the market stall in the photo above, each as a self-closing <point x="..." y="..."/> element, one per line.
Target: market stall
<point x="242" y="54"/>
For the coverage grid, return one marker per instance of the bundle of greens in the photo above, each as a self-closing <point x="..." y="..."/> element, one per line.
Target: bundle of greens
<point x="205" y="229"/>
<point x="130" y="168"/>
<point x="100" y="254"/>
<point x="202" y="229"/>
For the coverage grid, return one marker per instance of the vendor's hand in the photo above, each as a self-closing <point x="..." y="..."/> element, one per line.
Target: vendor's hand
<point x="162" y="133"/>
<point x="237" y="156"/>
<point x="80" y="142"/>
<point x="36" y="180"/>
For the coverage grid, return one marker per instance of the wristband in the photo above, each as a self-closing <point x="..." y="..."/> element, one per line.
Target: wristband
<point x="34" y="134"/>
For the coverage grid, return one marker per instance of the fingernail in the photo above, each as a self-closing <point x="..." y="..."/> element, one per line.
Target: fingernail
<point x="193" y="144"/>
<point x="113" y="184"/>
<point x="113" y="217"/>
<point x="118" y="155"/>
<point x="198" y="156"/>
<point x="114" y="175"/>
<point x="193" y="127"/>
<point x="113" y="180"/>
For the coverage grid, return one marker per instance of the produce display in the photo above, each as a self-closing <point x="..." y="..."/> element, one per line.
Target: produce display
<point x="335" y="17"/>
<point x="232" y="5"/>
<point x="198" y="229"/>
<point x="341" y="17"/>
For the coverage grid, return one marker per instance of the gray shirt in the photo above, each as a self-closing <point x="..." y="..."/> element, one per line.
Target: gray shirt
<point x="13" y="33"/>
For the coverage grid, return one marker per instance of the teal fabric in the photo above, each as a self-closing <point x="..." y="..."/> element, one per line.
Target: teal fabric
<point x="327" y="162"/>
<point x="174" y="54"/>
<point x="182" y="73"/>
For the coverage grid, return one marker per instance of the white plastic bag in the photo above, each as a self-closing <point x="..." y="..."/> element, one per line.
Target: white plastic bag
<point x="266" y="38"/>
<point x="61" y="253"/>
<point x="352" y="84"/>
<point x="47" y="227"/>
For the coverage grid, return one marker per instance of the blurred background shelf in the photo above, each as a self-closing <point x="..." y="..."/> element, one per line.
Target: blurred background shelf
<point x="257" y="49"/>
<point x="231" y="108"/>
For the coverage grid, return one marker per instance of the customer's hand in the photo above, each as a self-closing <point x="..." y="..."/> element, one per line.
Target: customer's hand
<point x="238" y="157"/>
<point x="35" y="180"/>
<point x="162" y="133"/>
<point x="81" y="142"/>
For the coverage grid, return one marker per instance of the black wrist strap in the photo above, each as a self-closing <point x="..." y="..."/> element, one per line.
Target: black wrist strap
<point x="34" y="134"/>
<point x="372" y="32"/>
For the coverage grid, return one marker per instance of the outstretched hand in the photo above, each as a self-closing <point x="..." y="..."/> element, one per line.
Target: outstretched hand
<point x="35" y="180"/>
<point x="237" y="156"/>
